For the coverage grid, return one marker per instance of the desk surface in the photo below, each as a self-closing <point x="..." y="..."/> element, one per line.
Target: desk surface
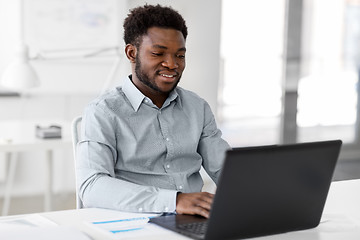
<point x="341" y="218"/>
<point x="17" y="136"/>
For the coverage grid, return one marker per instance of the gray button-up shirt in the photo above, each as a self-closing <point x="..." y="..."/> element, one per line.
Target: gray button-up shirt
<point x="134" y="156"/>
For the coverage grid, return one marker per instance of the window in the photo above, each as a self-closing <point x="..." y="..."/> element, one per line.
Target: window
<point x="251" y="51"/>
<point x="290" y="72"/>
<point x="327" y="105"/>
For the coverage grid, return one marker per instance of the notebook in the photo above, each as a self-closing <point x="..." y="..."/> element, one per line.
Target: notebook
<point x="265" y="190"/>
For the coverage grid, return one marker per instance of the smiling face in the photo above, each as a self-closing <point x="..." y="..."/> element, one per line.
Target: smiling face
<point x="158" y="62"/>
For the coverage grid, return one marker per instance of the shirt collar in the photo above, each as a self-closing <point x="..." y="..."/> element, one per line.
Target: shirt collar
<point x="132" y="93"/>
<point x="173" y="96"/>
<point x="136" y="97"/>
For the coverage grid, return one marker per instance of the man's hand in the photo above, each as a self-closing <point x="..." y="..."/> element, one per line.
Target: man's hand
<point x="194" y="203"/>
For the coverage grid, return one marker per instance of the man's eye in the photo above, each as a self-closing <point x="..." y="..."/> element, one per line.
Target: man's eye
<point x="157" y="54"/>
<point x="181" y="56"/>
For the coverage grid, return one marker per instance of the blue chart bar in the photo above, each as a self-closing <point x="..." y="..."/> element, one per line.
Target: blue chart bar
<point x="122" y="220"/>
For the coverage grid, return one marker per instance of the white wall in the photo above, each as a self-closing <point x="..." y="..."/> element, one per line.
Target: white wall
<point x="67" y="86"/>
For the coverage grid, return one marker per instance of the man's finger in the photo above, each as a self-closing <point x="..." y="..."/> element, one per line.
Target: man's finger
<point x="204" y="204"/>
<point x="194" y="203"/>
<point x="208" y="198"/>
<point x="202" y="211"/>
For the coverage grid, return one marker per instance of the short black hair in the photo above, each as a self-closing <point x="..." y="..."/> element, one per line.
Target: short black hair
<point x="140" y="19"/>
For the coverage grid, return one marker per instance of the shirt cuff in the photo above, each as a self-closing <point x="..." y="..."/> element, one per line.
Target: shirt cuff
<point x="167" y="200"/>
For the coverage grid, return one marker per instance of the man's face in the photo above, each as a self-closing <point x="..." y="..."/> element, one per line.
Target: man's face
<point x="160" y="60"/>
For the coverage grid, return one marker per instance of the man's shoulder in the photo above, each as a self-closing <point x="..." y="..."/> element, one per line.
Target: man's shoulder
<point x="190" y="97"/>
<point x="109" y="99"/>
<point x="188" y="94"/>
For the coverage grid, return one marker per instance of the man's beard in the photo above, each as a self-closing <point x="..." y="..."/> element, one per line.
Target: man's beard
<point x="145" y="79"/>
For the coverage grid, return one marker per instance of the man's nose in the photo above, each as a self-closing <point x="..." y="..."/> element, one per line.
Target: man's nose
<point x="170" y="62"/>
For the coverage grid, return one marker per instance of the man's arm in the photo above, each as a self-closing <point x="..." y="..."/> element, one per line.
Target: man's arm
<point x="212" y="149"/>
<point x="105" y="191"/>
<point x="95" y="171"/>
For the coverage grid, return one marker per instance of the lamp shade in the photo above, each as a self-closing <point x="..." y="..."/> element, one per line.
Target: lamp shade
<point x="19" y="74"/>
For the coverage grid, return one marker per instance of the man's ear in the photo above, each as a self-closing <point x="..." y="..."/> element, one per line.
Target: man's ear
<point x="131" y="51"/>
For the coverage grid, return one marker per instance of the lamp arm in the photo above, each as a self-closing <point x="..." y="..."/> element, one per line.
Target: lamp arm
<point x="111" y="74"/>
<point x="45" y="55"/>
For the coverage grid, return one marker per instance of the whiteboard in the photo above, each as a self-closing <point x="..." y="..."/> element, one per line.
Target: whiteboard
<point x="70" y="24"/>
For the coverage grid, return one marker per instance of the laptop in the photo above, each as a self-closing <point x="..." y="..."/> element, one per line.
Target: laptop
<point x="265" y="190"/>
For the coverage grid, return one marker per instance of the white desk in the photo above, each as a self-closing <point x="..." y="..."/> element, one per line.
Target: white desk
<point x="341" y="215"/>
<point x="19" y="136"/>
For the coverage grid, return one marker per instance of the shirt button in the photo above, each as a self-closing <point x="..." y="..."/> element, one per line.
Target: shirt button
<point x="140" y="209"/>
<point x="180" y="187"/>
<point x="167" y="139"/>
<point x="168" y="166"/>
<point x="166" y="209"/>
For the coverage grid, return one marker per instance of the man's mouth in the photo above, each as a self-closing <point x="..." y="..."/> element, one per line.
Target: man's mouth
<point x="168" y="75"/>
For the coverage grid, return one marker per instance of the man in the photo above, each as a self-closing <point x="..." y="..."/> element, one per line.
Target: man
<point x="144" y="143"/>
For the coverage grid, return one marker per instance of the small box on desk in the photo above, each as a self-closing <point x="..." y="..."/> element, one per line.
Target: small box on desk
<point x="52" y="131"/>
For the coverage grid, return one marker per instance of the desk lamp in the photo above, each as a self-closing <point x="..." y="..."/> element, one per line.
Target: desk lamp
<point x="19" y="74"/>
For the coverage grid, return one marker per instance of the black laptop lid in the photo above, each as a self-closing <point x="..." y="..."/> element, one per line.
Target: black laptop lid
<point x="272" y="189"/>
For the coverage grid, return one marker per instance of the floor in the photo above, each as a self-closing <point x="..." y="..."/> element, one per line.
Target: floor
<point x="20" y="205"/>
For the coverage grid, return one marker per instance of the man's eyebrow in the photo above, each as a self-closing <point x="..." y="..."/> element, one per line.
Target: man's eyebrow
<point x="163" y="47"/>
<point x="159" y="46"/>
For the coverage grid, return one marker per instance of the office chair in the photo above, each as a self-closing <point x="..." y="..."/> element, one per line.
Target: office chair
<point x="75" y="134"/>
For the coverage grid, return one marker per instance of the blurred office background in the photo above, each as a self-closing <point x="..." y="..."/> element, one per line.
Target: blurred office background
<point x="274" y="72"/>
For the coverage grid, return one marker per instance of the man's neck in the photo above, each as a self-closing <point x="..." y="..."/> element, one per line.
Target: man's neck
<point x="156" y="97"/>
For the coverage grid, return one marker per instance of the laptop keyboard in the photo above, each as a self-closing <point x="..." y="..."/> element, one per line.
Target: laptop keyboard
<point x="198" y="228"/>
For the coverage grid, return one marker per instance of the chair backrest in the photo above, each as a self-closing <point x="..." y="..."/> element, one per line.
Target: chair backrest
<point x="75" y="133"/>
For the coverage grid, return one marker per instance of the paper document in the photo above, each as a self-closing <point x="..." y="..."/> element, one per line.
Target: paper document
<point x="36" y="227"/>
<point x="127" y="226"/>
<point x="45" y="233"/>
<point x="122" y="225"/>
<point x="28" y="221"/>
